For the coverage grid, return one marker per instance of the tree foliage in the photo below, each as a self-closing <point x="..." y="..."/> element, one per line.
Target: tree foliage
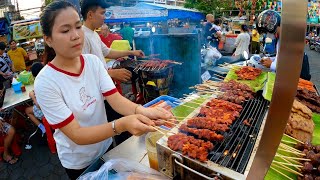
<point x="47" y="2"/>
<point x="210" y="6"/>
<point x="219" y="6"/>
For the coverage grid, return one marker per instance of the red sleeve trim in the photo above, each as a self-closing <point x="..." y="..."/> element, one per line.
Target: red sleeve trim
<point x="108" y="93"/>
<point x="63" y="123"/>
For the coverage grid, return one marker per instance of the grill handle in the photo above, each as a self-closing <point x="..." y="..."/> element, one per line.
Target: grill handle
<point x="177" y="158"/>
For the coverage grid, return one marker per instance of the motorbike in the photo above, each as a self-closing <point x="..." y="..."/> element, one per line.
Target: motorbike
<point x="317" y="46"/>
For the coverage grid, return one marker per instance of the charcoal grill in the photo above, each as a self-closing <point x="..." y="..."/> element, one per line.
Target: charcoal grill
<point x="230" y="159"/>
<point x="136" y="65"/>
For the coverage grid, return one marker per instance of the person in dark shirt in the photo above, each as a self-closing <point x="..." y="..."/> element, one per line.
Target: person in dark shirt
<point x="6" y="66"/>
<point x="208" y="28"/>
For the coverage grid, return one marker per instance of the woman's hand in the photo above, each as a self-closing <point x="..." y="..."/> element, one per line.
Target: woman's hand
<point x="135" y="124"/>
<point x="155" y="113"/>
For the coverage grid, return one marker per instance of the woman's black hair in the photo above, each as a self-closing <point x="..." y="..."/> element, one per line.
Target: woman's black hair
<point x="217" y="21"/>
<point x="244" y="28"/>
<point x="2" y="46"/>
<point x="47" y="19"/>
<point x="36" y="68"/>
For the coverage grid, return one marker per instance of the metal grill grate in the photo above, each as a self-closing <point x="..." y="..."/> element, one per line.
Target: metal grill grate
<point x="235" y="150"/>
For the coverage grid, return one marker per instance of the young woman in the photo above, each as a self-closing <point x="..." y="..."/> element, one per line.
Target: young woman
<point x="242" y="41"/>
<point x="71" y="89"/>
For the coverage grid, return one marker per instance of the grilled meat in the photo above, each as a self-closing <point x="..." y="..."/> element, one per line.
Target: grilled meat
<point x="248" y="73"/>
<point x="194" y="148"/>
<point x="206" y="123"/>
<point x="202" y="133"/>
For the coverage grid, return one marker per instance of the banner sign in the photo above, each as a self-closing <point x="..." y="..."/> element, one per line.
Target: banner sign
<point x="134" y="13"/>
<point x="313" y="12"/>
<point x="27" y="30"/>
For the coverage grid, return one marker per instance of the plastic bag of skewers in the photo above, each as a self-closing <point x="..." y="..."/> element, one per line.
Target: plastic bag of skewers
<point x="123" y="169"/>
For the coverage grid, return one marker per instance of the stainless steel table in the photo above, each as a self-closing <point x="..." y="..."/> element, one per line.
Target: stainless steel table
<point x="13" y="99"/>
<point x="133" y="149"/>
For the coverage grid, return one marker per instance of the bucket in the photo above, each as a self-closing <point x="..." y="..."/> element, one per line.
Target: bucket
<point x="17" y="87"/>
<point x="151" y="140"/>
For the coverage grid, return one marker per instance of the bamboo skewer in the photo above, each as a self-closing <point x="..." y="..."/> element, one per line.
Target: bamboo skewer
<point x="292" y="161"/>
<point x="287" y="169"/>
<point x="280" y="173"/>
<point x="169" y="121"/>
<point x="281" y="149"/>
<point x="293" y="138"/>
<point x="159" y="130"/>
<point x="219" y="76"/>
<point x="289" y="147"/>
<point x="289" y="142"/>
<point x="294" y="158"/>
<point x="288" y="164"/>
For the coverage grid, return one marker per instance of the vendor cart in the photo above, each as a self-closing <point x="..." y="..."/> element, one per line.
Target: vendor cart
<point x="247" y="152"/>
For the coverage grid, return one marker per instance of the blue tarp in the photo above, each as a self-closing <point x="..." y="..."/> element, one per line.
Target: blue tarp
<point x="144" y="12"/>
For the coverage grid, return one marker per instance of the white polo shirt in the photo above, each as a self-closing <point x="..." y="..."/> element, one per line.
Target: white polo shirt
<point x="94" y="45"/>
<point x="64" y="96"/>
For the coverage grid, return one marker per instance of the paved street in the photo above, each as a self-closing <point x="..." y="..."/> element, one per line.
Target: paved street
<point x="314" y="60"/>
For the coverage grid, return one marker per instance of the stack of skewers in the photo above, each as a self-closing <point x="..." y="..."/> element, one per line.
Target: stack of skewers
<point x="154" y="65"/>
<point x="295" y="158"/>
<point x="198" y="134"/>
<point x="231" y="91"/>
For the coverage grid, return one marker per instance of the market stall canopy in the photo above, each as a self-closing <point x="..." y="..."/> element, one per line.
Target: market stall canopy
<point x="143" y="12"/>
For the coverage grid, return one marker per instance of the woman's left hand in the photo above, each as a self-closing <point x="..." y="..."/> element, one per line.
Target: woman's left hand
<point x="155" y="113"/>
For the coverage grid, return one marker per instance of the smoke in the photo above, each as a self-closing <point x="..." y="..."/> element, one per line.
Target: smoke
<point x="183" y="48"/>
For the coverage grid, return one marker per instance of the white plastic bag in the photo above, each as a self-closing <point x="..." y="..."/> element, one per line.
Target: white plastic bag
<point x="123" y="169"/>
<point x="211" y="56"/>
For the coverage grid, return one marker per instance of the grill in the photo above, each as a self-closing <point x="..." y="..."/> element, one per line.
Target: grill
<point x="138" y="65"/>
<point x="230" y="158"/>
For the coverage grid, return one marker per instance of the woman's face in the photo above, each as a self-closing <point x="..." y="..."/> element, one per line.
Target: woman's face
<point x="67" y="36"/>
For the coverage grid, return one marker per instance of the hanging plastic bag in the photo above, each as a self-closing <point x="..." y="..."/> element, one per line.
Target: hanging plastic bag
<point x="123" y="169"/>
<point x="212" y="55"/>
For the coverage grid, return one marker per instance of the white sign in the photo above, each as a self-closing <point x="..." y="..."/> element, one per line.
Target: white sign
<point x="205" y="76"/>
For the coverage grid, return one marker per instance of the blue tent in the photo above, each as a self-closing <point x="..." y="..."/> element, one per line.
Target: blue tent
<point x="144" y="12"/>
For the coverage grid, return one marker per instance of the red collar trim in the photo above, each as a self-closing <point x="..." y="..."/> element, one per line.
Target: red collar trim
<point x="66" y="72"/>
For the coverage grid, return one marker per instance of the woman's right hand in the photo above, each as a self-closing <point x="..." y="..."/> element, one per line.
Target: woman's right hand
<point x="135" y="124"/>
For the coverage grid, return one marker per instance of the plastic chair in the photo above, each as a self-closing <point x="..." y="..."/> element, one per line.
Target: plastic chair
<point x="49" y="133"/>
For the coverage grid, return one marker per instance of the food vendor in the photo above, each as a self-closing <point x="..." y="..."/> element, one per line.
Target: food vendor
<point x="271" y="25"/>
<point x="71" y="89"/>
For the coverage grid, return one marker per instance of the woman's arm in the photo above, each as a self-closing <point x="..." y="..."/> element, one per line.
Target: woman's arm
<point x="118" y="103"/>
<point x="135" y="124"/>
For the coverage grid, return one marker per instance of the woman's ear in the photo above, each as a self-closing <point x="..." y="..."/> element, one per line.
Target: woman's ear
<point x="48" y="40"/>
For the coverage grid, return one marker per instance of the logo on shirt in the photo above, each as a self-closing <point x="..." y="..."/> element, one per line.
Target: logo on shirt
<point x="86" y="99"/>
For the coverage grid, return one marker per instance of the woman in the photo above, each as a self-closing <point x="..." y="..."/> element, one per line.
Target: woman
<point x="242" y="41"/>
<point x="71" y="89"/>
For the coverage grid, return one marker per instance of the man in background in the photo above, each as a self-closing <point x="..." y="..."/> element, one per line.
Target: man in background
<point x="208" y="28"/>
<point x="18" y="56"/>
<point x="127" y="33"/>
<point x="107" y="37"/>
<point x="255" y="47"/>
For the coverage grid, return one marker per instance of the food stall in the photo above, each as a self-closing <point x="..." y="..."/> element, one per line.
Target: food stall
<point x="28" y="32"/>
<point x="247" y="134"/>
